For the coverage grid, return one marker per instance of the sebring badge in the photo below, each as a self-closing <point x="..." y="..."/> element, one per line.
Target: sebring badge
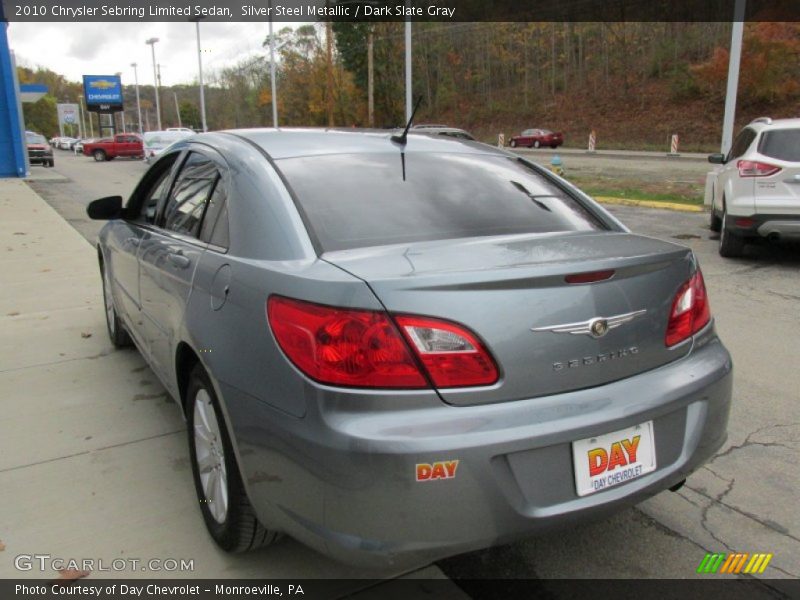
<point x="596" y="327"/>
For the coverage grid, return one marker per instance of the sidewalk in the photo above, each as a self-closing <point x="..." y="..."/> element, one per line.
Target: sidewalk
<point x="95" y="462"/>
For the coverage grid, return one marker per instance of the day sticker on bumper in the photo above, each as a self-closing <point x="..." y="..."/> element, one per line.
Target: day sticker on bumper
<point x="613" y="458"/>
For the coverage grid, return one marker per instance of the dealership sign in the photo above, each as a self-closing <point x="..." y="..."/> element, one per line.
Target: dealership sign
<point x="67" y="114"/>
<point x="103" y="93"/>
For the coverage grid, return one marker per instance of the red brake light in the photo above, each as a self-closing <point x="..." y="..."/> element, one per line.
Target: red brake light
<point x="753" y="168"/>
<point x="452" y="355"/>
<point x="363" y="348"/>
<point x="337" y="346"/>
<point x="589" y="277"/>
<point x="690" y="310"/>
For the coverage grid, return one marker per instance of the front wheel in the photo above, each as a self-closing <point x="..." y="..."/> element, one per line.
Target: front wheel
<point x="513" y="143"/>
<point x="116" y="331"/>
<point x="99" y="155"/>
<point x="714" y="222"/>
<point x="536" y="144"/>
<point x="227" y="512"/>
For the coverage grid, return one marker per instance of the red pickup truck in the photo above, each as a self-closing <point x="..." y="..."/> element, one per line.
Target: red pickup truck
<point x="123" y="144"/>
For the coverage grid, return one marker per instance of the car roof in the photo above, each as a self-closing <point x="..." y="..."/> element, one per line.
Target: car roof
<point x="292" y="143"/>
<point x="765" y="123"/>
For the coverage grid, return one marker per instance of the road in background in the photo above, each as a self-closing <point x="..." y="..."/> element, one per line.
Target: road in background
<point x="743" y="501"/>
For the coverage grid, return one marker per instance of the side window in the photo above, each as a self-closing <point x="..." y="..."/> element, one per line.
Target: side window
<point x="741" y="143"/>
<point x="187" y="202"/>
<point x="153" y="191"/>
<point x="215" y="224"/>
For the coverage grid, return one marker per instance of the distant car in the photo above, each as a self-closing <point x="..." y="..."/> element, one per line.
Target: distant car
<point x="122" y="144"/>
<point x="185" y="129"/>
<point x="65" y="143"/>
<point x="39" y="151"/>
<point x="155" y="142"/>
<point x="444" y="130"/>
<point x="535" y="138"/>
<point x="396" y="351"/>
<point x="77" y="148"/>
<point x="755" y="192"/>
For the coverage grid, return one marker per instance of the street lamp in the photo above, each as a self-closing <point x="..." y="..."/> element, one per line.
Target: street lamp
<point x="152" y="43"/>
<point x="113" y="119"/>
<point x="272" y="70"/>
<point x="138" y="104"/>
<point x="200" y="73"/>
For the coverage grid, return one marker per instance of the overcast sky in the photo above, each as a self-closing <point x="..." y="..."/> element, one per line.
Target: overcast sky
<point x="77" y="49"/>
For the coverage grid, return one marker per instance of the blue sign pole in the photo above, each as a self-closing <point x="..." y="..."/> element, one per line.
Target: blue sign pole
<point x="12" y="137"/>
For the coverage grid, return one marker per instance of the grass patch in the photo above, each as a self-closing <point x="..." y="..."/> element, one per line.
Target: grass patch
<point x="633" y="192"/>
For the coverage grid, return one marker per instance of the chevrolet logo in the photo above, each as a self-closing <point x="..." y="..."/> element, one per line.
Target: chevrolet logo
<point x="103" y="84"/>
<point x="596" y="327"/>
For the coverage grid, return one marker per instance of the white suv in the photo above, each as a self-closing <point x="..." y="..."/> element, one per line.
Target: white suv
<point x="756" y="190"/>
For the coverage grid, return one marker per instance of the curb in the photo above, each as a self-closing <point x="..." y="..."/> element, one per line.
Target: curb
<point x="650" y="204"/>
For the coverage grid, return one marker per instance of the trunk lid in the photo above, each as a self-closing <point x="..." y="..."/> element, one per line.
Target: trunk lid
<point x="503" y="288"/>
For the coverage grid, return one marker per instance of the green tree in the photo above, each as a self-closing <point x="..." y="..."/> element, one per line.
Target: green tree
<point x="41" y="116"/>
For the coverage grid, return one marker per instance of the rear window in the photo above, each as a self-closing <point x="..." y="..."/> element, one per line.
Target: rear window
<point x="35" y="138"/>
<point x="783" y="144"/>
<point x="359" y="200"/>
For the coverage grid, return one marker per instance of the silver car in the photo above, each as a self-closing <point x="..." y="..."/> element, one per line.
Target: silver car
<point x="396" y="349"/>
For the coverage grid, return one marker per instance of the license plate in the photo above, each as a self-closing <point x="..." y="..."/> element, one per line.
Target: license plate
<point x="613" y="458"/>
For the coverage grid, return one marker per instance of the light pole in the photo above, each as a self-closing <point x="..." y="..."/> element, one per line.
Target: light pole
<point x="119" y="74"/>
<point x="138" y="104"/>
<point x="272" y="70"/>
<point x="152" y="43"/>
<point x="200" y="74"/>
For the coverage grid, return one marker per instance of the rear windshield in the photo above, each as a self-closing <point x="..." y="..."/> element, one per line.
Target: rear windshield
<point x="783" y="144"/>
<point x="360" y="200"/>
<point x="35" y="138"/>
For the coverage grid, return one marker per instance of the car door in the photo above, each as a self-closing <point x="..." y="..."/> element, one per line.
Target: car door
<point x="124" y="240"/>
<point x="170" y="254"/>
<point x="738" y="191"/>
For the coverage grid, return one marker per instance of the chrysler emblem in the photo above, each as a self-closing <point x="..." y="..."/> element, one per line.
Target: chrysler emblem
<point x="596" y="327"/>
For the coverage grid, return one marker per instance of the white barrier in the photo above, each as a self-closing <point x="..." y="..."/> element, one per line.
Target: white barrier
<point x="592" y="141"/>
<point x="501" y="140"/>
<point x="673" y="146"/>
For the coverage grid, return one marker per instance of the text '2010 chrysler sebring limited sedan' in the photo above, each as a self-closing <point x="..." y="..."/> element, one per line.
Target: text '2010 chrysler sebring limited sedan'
<point x="396" y="349"/>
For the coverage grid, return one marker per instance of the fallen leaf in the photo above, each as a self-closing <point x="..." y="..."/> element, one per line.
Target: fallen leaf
<point x="13" y="313"/>
<point x="2" y="546"/>
<point x="45" y="270"/>
<point x="70" y="575"/>
<point x="86" y="335"/>
<point x="20" y="233"/>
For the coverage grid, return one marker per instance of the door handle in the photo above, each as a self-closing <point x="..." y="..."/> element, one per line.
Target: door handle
<point x="178" y="259"/>
<point x="133" y="241"/>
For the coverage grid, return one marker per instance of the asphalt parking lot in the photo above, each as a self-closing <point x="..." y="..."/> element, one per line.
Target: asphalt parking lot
<point x="743" y="501"/>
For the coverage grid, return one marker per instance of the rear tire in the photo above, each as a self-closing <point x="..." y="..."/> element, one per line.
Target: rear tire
<point x="99" y="155"/>
<point x="536" y="144"/>
<point x="714" y="222"/>
<point x="513" y="143"/>
<point x="730" y="244"/>
<point x="116" y="330"/>
<point x="227" y="512"/>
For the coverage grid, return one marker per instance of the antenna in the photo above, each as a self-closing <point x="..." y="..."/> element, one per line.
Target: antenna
<point x="401" y="139"/>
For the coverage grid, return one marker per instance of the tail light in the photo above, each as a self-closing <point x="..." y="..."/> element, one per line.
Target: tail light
<point x="453" y="356"/>
<point x="753" y="168"/>
<point x="690" y="310"/>
<point x="363" y="348"/>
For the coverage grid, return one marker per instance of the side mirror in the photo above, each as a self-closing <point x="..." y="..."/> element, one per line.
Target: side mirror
<point x="105" y="209"/>
<point x="716" y="159"/>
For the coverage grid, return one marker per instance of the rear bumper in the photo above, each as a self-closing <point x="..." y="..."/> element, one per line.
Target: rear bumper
<point x="768" y="225"/>
<point x="344" y="482"/>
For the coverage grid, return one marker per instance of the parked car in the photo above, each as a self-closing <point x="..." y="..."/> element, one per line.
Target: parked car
<point x="77" y="148"/>
<point x="183" y="129"/>
<point x="400" y="348"/>
<point x="535" y="138"/>
<point x="122" y="144"/>
<point x="64" y="143"/>
<point x="755" y="192"/>
<point x="444" y="130"/>
<point x="39" y="151"/>
<point x="155" y="142"/>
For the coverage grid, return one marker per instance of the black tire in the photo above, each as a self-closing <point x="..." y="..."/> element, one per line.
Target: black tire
<point x="239" y="530"/>
<point x="730" y="244"/>
<point x="51" y="163"/>
<point x="714" y="221"/>
<point x="513" y="143"/>
<point x="554" y="146"/>
<point x="116" y="330"/>
<point x="536" y="144"/>
<point x="99" y="155"/>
